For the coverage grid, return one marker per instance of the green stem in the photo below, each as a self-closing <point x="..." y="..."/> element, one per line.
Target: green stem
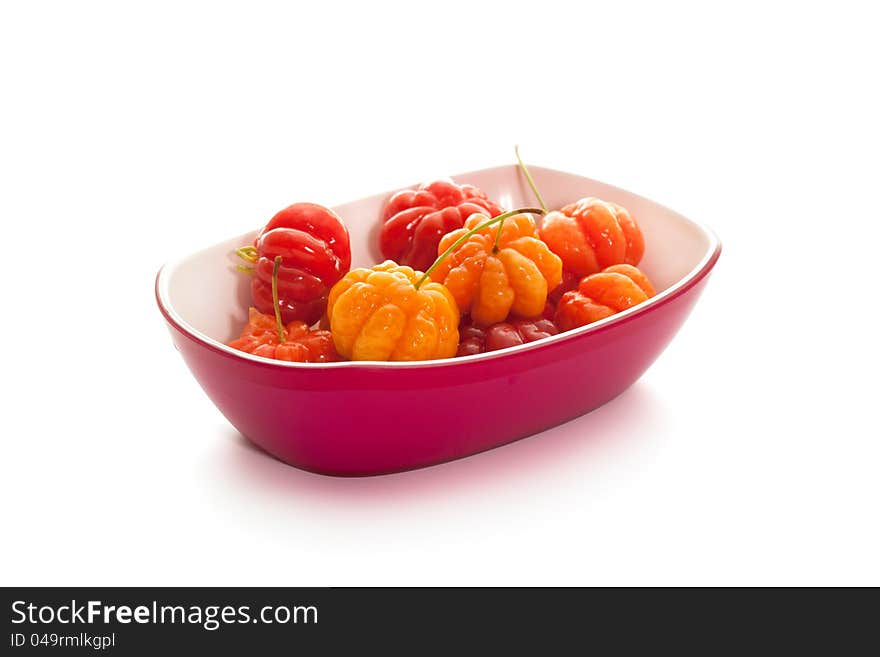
<point x="248" y="254"/>
<point x="275" y="303"/>
<point x="497" y="237"/>
<point x="530" y="181"/>
<point x="476" y="229"/>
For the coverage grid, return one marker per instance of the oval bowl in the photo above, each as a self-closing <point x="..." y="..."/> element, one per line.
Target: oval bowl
<point x="370" y="418"/>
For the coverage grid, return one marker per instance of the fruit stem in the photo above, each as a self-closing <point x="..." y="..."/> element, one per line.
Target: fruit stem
<point x="247" y="253"/>
<point x="497" y="237"/>
<point x="275" y="303"/>
<point x="530" y="180"/>
<point x="476" y="229"/>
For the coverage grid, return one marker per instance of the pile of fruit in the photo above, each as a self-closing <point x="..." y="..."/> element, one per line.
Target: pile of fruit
<point x="462" y="277"/>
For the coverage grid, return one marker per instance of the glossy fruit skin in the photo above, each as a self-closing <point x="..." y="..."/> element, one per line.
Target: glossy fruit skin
<point x="301" y="345"/>
<point x="416" y="219"/>
<point x="314" y="246"/>
<point x="476" y="340"/>
<point x="602" y="295"/>
<point x="490" y="282"/>
<point x="378" y="314"/>
<point x="569" y="282"/>
<point x="593" y="234"/>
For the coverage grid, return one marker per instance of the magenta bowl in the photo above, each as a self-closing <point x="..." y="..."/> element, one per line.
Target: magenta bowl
<point x="371" y="418"/>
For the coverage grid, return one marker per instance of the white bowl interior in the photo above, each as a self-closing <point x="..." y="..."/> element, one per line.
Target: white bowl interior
<point x="208" y="295"/>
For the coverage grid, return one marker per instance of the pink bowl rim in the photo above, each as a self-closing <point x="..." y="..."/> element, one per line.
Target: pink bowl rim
<point x="702" y="268"/>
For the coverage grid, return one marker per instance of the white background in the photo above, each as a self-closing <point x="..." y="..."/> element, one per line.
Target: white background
<point x="747" y="455"/>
